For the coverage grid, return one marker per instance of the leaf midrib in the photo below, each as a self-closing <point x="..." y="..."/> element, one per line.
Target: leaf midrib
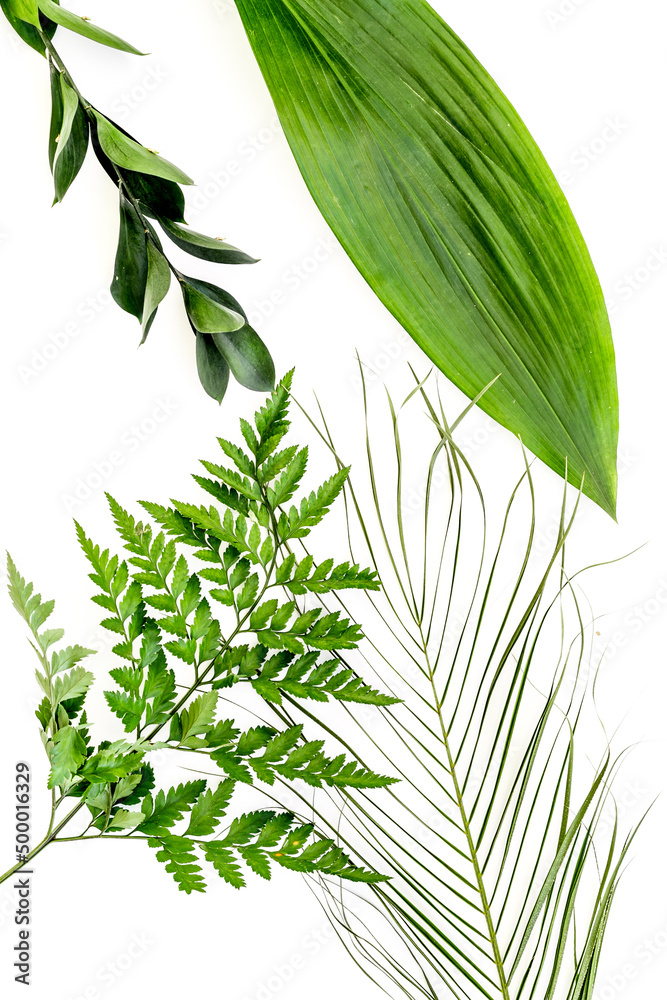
<point x="479" y="878"/>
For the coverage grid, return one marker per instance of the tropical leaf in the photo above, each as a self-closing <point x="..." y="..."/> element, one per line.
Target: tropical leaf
<point x="502" y="876"/>
<point x="437" y="191"/>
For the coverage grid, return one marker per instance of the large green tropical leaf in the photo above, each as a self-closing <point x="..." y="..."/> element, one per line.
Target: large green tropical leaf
<point x="440" y="196"/>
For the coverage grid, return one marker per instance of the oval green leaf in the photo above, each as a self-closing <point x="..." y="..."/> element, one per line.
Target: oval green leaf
<point x="212" y="368"/>
<point x="210" y="309"/>
<point x="82" y="26"/>
<point x="56" y="125"/>
<point x="158" y="197"/>
<point x="131" y="155"/>
<point x="131" y="268"/>
<point x="204" y="247"/>
<point x="157" y="286"/>
<point x="71" y="144"/>
<point x="247" y="356"/>
<point x="442" y="199"/>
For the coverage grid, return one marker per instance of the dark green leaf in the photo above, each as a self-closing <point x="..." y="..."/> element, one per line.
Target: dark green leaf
<point x="204" y="247"/>
<point x="212" y="368"/>
<point x="56" y="124"/>
<point x="158" y="281"/>
<point x="158" y="197"/>
<point x="131" y="269"/>
<point x="247" y="356"/>
<point x="71" y="142"/>
<point x="139" y="792"/>
<point x="131" y="155"/>
<point x="209" y="308"/>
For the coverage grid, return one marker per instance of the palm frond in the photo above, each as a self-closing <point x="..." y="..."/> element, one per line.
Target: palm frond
<point x="501" y="883"/>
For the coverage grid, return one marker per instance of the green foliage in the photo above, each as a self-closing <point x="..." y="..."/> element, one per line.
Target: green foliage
<point x="178" y="854"/>
<point x="169" y="807"/>
<point x="69" y="134"/>
<point x="158" y="281"/>
<point x="175" y="653"/>
<point x="503" y="869"/>
<point x="268" y="754"/>
<point x="120" y="149"/>
<point x="33" y="26"/>
<point x="256" y="839"/>
<point x="149" y="189"/>
<point x="205" y="247"/>
<point x="67" y="754"/>
<point x="209" y="808"/>
<point x="131" y="266"/>
<point x="83" y="26"/>
<point x="26" y="10"/>
<point x="265" y="836"/>
<point x="307" y="676"/>
<point x="208" y="311"/>
<point x="437" y="191"/>
<point x="63" y="682"/>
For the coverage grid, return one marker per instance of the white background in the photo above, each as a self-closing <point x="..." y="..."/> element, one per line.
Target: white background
<point x="198" y="98"/>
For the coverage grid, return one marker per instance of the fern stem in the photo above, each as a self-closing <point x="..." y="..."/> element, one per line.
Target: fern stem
<point x="48" y="839"/>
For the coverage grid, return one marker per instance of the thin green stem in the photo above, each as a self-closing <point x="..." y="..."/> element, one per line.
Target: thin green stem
<point x="479" y="878"/>
<point x="89" y="111"/>
<point x="48" y="839"/>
